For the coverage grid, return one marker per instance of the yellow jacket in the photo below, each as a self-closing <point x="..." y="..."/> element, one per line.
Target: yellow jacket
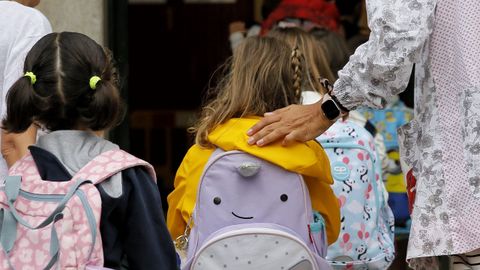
<point x="307" y="159"/>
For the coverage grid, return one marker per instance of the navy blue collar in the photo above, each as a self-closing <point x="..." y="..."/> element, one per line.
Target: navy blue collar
<point x="48" y="165"/>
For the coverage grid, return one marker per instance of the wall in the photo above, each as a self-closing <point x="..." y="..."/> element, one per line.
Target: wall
<point x="85" y="16"/>
<point x="257" y="9"/>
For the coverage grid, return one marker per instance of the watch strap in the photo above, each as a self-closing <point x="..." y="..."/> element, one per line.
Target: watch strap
<point x="329" y="87"/>
<point x="334" y="98"/>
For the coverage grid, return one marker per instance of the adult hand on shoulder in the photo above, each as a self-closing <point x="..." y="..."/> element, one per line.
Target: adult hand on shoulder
<point x="293" y="123"/>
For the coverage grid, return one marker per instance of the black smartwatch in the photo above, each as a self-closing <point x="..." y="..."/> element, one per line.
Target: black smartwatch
<point x="332" y="109"/>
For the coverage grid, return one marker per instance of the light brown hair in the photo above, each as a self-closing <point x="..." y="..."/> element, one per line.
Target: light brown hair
<point x="259" y="78"/>
<point x="316" y="61"/>
<point x="335" y="46"/>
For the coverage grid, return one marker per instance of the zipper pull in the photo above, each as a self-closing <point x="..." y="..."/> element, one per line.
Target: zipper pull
<point x="181" y="242"/>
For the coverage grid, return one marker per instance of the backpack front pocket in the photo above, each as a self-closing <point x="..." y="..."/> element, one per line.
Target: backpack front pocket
<point x="255" y="246"/>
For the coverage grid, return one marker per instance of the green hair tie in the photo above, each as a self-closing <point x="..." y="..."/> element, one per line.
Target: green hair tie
<point x="33" y="78"/>
<point x="93" y="82"/>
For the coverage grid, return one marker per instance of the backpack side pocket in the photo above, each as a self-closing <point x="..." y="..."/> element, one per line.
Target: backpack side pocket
<point x="318" y="234"/>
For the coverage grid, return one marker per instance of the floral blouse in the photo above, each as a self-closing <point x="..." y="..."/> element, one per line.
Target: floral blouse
<point x="442" y="143"/>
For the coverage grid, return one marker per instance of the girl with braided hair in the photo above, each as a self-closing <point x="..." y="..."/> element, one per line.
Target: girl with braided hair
<point x="353" y="126"/>
<point x="315" y="54"/>
<point x="317" y="66"/>
<point x="264" y="74"/>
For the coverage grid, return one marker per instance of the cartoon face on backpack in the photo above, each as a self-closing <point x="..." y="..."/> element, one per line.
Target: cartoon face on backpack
<point x="244" y="206"/>
<point x="242" y="192"/>
<point x="236" y="210"/>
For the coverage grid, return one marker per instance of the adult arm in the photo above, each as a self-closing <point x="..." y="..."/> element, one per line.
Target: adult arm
<point x="29" y="32"/>
<point x="378" y="69"/>
<point x="14" y="145"/>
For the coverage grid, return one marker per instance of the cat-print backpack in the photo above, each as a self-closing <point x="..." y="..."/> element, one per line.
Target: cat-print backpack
<point x="251" y="214"/>
<point x="366" y="239"/>
<point x="55" y="225"/>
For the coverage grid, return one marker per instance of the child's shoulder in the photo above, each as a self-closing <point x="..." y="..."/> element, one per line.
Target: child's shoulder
<point x="315" y="146"/>
<point x="196" y="151"/>
<point x="196" y="156"/>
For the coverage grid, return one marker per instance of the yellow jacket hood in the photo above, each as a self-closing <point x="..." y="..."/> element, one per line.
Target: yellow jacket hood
<point x="307" y="159"/>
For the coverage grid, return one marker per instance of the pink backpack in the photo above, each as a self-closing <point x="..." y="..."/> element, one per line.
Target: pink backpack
<point x="47" y="224"/>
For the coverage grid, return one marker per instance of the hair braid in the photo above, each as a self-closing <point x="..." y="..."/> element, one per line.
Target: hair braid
<point x="297" y="71"/>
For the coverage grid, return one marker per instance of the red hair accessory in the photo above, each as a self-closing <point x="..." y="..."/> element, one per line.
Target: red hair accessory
<point x="320" y="12"/>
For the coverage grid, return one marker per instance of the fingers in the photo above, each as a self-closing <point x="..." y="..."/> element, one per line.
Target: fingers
<point x="266" y="121"/>
<point x="294" y="136"/>
<point x="275" y="126"/>
<point x="269" y="136"/>
<point x="289" y="139"/>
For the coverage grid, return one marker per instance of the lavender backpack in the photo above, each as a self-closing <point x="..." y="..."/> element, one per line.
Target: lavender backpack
<point x="251" y="214"/>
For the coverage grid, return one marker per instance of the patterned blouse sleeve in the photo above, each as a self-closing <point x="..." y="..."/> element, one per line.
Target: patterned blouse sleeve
<point x="381" y="67"/>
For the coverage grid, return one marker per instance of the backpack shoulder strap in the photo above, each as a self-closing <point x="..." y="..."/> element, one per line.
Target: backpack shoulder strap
<point x="110" y="163"/>
<point x="24" y="163"/>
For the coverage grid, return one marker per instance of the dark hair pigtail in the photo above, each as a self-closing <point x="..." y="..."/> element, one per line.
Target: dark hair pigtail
<point x="21" y="107"/>
<point x="106" y="109"/>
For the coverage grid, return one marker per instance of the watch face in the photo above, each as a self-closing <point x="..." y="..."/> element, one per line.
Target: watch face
<point x="330" y="109"/>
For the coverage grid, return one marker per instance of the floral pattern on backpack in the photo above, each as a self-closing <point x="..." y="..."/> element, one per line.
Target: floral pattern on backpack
<point x="48" y="224"/>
